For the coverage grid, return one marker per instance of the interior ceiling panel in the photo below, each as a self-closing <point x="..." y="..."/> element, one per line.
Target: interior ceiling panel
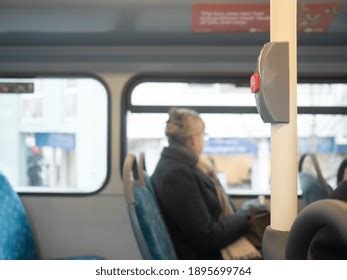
<point x="123" y="24"/>
<point x="153" y="22"/>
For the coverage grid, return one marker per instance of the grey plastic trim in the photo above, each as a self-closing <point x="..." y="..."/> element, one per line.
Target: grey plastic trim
<point x="137" y="230"/>
<point x="274" y="244"/>
<point x="273" y="98"/>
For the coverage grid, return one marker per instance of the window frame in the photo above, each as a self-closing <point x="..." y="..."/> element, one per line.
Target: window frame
<point x="73" y="75"/>
<point x="132" y="83"/>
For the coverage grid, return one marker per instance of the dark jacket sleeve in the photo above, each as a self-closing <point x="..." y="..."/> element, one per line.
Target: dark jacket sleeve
<point x="189" y="212"/>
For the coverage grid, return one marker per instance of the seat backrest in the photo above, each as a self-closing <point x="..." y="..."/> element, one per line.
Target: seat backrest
<point x="149" y="228"/>
<point x="314" y="187"/>
<point x="328" y="213"/>
<point x="311" y="188"/>
<point x="16" y="239"/>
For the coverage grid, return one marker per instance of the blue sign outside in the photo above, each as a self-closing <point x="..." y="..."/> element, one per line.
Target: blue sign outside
<point x="238" y="146"/>
<point x="57" y="140"/>
<point x="231" y="146"/>
<point x="322" y="145"/>
<point x="341" y="149"/>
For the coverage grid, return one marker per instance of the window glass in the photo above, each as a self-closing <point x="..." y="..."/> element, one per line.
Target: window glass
<point x="54" y="139"/>
<point x="176" y="94"/>
<point x="32" y="108"/>
<point x="327" y="95"/>
<point x="325" y="136"/>
<point x="218" y="94"/>
<point x="240" y="144"/>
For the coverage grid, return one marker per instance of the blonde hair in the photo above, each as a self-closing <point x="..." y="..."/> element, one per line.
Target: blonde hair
<point x="182" y="124"/>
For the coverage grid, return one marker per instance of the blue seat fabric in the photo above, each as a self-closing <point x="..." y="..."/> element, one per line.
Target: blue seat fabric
<point x="311" y="188"/>
<point x="149" y="184"/>
<point x="16" y="238"/>
<point x="152" y="225"/>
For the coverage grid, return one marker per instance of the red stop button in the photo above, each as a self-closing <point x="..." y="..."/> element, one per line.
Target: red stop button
<point x="255" y="83"/>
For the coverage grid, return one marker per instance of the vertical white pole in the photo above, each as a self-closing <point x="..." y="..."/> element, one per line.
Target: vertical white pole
<point x="284" y="136"/>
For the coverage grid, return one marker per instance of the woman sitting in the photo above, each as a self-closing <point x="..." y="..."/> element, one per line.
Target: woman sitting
<point x="188" y="197"/>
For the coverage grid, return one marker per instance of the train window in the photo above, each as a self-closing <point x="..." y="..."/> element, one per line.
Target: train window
<point x="238" y="140"/>
<point x="54" y="139"/>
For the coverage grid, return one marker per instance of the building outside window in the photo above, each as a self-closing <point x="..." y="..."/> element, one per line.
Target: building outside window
<point x="53" y="143"/>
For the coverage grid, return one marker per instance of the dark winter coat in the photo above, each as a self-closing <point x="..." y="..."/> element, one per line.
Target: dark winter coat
<point x="190" y="207"/>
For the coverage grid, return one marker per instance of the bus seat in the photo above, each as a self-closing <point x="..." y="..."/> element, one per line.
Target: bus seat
<point x="149" y="228"/>
<point x="16" y="238"/>
<point x="145" y="179"/>
<point x="325" y="213"/>
<point x="313" y="187"/>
